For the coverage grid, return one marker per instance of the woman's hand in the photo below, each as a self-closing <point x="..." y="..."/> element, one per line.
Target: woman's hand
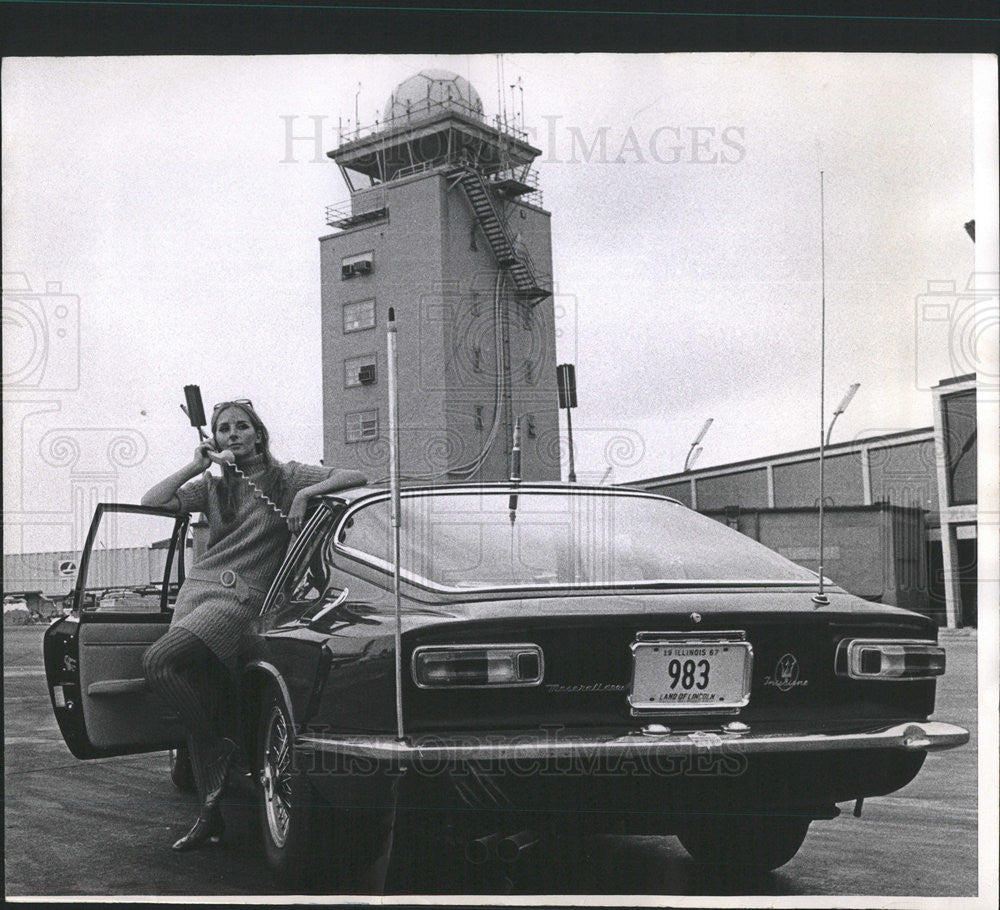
<point x="201" y="458"/>
<point x="164" y="493"/>
<point x="208" y="453"/>
<point x="297" y="513"/>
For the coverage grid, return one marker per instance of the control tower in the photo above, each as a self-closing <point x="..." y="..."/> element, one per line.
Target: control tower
<point x="444" y="224"/>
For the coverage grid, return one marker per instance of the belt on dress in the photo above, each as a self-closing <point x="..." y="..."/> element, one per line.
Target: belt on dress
<point x="228" y="579"/>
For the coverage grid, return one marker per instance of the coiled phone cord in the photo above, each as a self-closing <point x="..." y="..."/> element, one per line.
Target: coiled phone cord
<point x="258" y="492"/>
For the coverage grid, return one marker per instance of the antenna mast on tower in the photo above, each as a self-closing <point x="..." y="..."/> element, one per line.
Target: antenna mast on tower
<point x="499" y="92"/>
<point x="503" y="79"/>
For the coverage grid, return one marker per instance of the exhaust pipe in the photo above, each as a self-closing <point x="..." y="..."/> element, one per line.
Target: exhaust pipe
<point x="510" y="848"/>
<point x="479" y="851"/>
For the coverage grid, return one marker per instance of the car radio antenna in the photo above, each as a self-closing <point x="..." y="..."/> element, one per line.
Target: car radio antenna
<point x="820" y="598"/>
<point x="394" y="495"/>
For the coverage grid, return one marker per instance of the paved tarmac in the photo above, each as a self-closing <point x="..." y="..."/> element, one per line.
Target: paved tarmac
<point x="104" y="827"/>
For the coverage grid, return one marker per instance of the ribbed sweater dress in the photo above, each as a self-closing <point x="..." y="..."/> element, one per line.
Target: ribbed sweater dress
<point x="225" y="588"/>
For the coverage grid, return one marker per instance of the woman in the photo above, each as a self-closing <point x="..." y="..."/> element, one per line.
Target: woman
<point x="191" y="666"/>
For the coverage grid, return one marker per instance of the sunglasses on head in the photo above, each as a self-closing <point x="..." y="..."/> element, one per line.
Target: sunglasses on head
<point x="242" y="402"/>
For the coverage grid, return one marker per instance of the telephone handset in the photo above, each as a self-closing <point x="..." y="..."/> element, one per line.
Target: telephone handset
<point x="226" y="456"/>
<point x="195" y="411"/>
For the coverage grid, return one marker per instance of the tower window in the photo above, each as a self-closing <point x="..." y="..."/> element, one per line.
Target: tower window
<point x="472" y="236"/>
<point x="358" y="264"/>
<point x="359" y="316"/>
<point x="359" y="371"/>
<point x="475" y="303"/>
<point x="479" y="416"/>
<point x="361" y="425"/>
<point x="477" y="359"/>
<point x="532" y="432"/>
<point x="529" y="372"/>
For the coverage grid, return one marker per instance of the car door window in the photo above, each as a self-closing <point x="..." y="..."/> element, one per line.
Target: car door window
<point x="307" y="584"/>
<point x="134" y="562"/>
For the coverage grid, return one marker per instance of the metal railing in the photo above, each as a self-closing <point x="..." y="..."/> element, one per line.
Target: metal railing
<point x="420" y="167"/>
<point x="364" y="204"/>
<point x="423" y="111"/>
<point x="527" y="177"/>
<point x="373" y="202"/>
<point x="508" y="251"/>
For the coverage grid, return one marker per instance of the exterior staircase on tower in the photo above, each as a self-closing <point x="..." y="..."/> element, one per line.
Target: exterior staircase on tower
<point x="498" y="234"/>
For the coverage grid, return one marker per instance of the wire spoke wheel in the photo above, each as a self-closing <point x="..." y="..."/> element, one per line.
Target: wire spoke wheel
<point x="276" y="777"/>
<point x="305" y="845"/>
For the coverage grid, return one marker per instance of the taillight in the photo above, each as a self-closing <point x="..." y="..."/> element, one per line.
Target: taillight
<point x="869" y="658"/>
<point x="477" y="666"/>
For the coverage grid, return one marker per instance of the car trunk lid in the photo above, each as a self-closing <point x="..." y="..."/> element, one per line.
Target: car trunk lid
<point x="588" y="645"/>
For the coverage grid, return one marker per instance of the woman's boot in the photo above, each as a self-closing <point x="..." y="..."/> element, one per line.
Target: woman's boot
<point x="206" y="831"/>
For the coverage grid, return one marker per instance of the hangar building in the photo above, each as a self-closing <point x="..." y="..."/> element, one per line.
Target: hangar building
<point x="900" y="508"/>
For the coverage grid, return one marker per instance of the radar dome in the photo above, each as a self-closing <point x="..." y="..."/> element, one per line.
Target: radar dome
<point x="429" y="92"/>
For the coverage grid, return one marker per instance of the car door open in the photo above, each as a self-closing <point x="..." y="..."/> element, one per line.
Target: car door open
<point x="130" y="571"/>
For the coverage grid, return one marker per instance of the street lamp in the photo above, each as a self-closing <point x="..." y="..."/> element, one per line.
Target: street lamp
<point x="692" y="455"/>
<point x="820" y="597"/>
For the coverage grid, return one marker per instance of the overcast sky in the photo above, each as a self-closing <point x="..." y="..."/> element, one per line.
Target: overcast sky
<point x="161" y="203"/>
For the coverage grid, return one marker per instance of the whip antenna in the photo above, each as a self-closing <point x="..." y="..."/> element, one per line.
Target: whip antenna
<point x="819" y="597"/>
<point x="394" y="495"/>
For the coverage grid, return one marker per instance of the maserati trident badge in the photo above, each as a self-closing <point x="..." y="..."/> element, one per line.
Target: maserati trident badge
<point x="786" y="674"/>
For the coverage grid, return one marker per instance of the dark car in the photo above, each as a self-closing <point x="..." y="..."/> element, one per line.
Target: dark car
<point x="570" y="658"/>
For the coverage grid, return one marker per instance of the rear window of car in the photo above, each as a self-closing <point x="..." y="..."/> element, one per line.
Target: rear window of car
<point x="489" y="540"/>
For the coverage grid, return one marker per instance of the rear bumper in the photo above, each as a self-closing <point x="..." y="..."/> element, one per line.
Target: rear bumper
<point x="557" y="743"/>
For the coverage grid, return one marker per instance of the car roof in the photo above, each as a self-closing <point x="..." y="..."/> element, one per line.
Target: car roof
<point x="353" y="494"/>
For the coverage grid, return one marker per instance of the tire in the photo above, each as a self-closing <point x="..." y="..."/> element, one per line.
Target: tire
<point x="291" y="820"/>
<point x="307" y="845"/>
<point x="180" y="769"/>
<point x="744" y="844"/>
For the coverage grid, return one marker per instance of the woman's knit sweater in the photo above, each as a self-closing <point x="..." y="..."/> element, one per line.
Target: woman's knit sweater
<point x="254" y="543"/>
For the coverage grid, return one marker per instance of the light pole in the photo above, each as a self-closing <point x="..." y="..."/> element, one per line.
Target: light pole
<point x="692" y="455"/>
<point x="566" y="378"/>
<point x="820" y="597"/>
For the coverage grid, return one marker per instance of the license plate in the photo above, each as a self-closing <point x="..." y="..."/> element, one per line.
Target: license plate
<point x="690" y="675"/>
